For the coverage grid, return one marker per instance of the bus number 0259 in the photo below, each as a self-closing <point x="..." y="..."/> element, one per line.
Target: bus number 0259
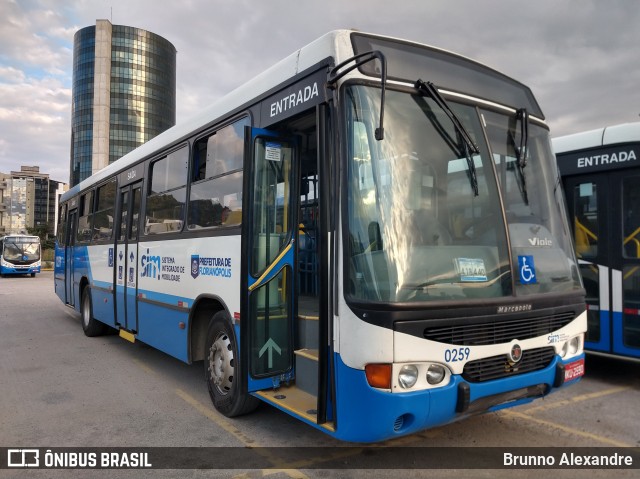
<point x="457" y="354"/>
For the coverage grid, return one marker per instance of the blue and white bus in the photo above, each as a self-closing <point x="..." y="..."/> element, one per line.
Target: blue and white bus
<point x="367" y="236"/>
<point x="600" y="173"/>
<point x="19" y="254"/>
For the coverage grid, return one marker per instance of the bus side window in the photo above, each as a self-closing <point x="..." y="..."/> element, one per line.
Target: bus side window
<point x="62" y="225"/>
<point x="84" y="221"/>
<point x="216" y="191"/>
<point x="105" y="207"/>
<point x="631" y="207"/>
<point x="167" y="195"/>
<point x="586" y="220"/>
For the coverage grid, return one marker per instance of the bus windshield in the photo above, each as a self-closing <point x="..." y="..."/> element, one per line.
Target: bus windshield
<point x="425" y="221"/>
<point x="21" y="249"/>
<point x="534" y="204"/>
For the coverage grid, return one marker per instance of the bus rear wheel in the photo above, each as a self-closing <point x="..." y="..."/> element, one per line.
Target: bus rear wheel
<point x="222" y="371"/>
<point x="91" y="327"/>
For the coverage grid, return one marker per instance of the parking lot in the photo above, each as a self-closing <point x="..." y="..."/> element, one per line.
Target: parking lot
<point x="59" y="388"/>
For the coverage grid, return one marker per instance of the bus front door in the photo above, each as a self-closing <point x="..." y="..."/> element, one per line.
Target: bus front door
<point x="126" y="257"/>
<point x="271" y="221"/>
<point x="605" y="209"/>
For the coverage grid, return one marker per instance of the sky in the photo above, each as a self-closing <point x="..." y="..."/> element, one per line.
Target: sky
<point x="579" y="57"/>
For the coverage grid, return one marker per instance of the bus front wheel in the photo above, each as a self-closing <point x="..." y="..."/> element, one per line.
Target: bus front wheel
<point x="91" y="327"/>
<point x="222" y="371"/>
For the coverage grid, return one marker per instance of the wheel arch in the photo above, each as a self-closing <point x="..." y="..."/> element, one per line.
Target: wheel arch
<point x="84" y="283"/>
<point x="204" y="308"/>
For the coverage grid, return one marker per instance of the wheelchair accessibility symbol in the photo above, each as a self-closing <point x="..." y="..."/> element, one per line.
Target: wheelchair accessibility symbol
<point x="527" y="270"/>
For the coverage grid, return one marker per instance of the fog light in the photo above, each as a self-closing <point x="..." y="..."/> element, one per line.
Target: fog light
<point x="408" y="376"/>
<point x="435" y="374"/>
<point x="565" y="349"/>
<point x="574" y="344"/>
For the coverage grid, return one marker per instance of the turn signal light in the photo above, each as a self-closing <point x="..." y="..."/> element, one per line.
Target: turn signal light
<point x="378" y="375"/>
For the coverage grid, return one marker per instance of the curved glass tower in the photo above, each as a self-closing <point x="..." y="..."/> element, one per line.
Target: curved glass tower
<point x="124" y="94"/>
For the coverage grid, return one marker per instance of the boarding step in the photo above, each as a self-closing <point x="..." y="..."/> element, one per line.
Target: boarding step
<point x="307" y="370"/>
<point x="297" y="401"/>
<point x="308" y="331"/>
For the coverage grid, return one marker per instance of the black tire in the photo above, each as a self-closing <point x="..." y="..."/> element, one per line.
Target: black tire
<point x="221" y="369"/>
<point x="91" y="326"/>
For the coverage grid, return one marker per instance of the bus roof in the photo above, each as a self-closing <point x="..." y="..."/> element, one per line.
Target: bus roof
<point x="335" y="44"/>
<point x="610" y="135"/>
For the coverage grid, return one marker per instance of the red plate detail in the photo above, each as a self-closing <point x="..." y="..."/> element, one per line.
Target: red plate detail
<point x="574" y="370"/>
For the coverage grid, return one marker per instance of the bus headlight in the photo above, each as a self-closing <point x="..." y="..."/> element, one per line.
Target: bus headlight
<point x="408" y="376"/>
<point x="418" y="376"/>
<point x="574" y="345"/>
<point x="571" y="347"/>
<point x="435" y="374"/>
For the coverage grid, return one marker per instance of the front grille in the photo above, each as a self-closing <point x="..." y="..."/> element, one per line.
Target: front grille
<point x="497" y="367"/>
<point x="499" y="331"/>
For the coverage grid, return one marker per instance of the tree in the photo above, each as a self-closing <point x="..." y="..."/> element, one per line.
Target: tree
<point x="41" y="232"/>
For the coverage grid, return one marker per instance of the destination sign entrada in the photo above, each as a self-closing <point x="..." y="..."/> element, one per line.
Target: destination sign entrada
<point x="622" y="156"/>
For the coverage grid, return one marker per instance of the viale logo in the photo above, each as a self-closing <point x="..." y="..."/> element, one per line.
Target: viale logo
<point x="540" y="242"/>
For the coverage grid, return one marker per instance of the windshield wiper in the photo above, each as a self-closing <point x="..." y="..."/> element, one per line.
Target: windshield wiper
<point x="335" y="74"/>
<point x="468" y="147"/>
<point x="520" y="148"/>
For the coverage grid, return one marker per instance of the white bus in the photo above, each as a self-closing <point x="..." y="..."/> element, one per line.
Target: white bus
<point x="367" y="236"/>
<point x="19" y="254"/>
<point x="600" y="172"/>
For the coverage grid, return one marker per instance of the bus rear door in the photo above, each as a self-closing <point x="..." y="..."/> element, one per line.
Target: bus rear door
<point x="126" y="257"/>
<point x="70" y="242"/>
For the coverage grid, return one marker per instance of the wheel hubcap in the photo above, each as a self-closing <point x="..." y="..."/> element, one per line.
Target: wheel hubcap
<point x="221" y="365"/>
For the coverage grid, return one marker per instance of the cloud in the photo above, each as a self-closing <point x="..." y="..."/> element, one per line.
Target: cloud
<point x="34" y="121"/>
<point x="31" y="38"/>
<point x="12" y="75"/>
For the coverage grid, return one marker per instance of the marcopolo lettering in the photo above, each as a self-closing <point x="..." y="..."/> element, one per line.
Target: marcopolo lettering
<point x="515" y="308"/>
<point x="294" y="99"/>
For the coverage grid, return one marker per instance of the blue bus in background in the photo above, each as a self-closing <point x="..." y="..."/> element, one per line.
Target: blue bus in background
<point x="19" y="254"/>
<point x="601" y="177"/>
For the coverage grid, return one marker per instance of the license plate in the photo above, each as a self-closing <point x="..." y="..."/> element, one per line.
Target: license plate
<point x="574" y="370"/>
